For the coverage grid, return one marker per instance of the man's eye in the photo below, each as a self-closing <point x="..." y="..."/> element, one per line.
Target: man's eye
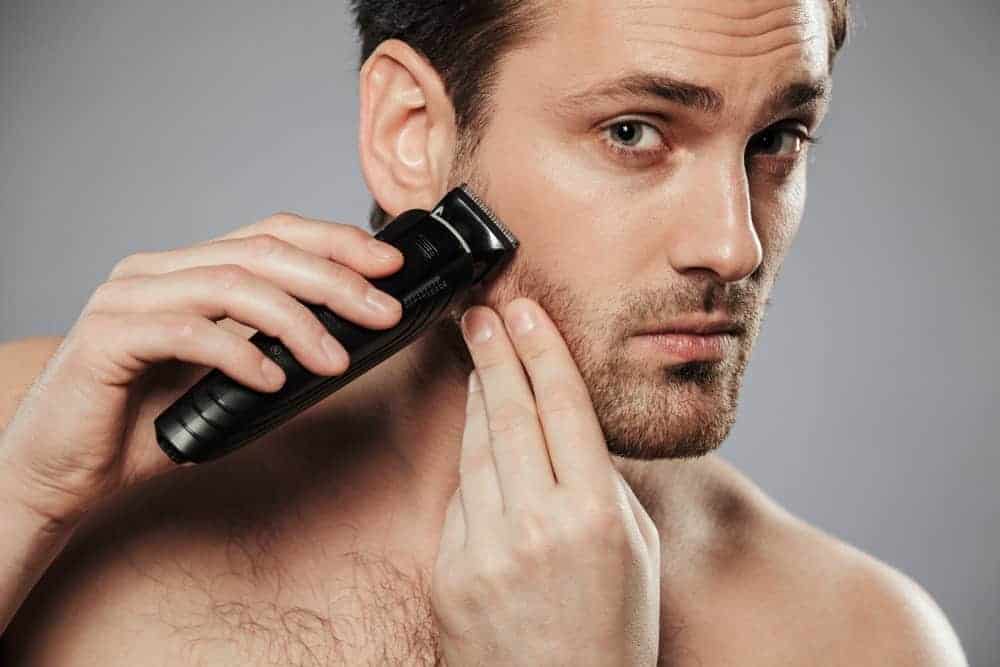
<point x="634" y="135"/>
<point x="779" y="141"/>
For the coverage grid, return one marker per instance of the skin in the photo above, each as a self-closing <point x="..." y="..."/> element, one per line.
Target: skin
<point x="335" y="521"/>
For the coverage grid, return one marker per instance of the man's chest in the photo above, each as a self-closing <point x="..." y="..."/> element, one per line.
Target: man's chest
<point x="374" y="621"/>
<point x="365" y="611"/>
<point x="199" y="589"/>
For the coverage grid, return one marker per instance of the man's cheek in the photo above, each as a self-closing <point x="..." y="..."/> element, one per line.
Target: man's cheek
<point x="777" y="220"/>
<point x="541" y="185"/>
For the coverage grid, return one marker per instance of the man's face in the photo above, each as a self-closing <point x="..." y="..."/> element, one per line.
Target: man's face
<point x="639" y="199"/>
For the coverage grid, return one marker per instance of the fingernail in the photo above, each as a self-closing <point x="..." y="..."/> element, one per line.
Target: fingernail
<point x="383" y="250"/>
<point x="474" y="383"/>
<point x="332" y="348"/>
<point x="522" y="321"/>
<point x="271" y="372"/>
<point x="380" y="301"/>
<point x="476" y="326"/>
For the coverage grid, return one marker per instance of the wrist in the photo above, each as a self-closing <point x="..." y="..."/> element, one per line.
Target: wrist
<point x="33" y="538"/>
<point x="39" y="505"/>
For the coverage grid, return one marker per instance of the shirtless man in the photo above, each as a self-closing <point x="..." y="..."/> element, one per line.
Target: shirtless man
<point x="651" y="158"/>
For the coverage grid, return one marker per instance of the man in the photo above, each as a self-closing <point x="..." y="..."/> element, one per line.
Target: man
<point x="651" y="159"/>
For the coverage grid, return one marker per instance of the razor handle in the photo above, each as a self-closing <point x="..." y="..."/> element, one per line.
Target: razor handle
<point x="218" y="415"/>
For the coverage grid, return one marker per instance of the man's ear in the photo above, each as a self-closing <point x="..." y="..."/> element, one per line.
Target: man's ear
<point x="407" y="129"/>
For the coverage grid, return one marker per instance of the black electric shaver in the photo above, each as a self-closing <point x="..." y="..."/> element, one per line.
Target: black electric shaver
<point x="452" y="248"/>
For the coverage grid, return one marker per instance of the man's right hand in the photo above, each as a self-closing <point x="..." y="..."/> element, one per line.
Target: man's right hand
<point x="75" y="436"/>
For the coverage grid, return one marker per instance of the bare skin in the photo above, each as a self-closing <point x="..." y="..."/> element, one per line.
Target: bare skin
<point x="293" y="567"/>
<point x="315" y="545"/>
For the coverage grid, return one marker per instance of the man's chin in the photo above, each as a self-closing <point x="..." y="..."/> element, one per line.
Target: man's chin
<point x="687" y="416"/>
<point x="685" y="441"/>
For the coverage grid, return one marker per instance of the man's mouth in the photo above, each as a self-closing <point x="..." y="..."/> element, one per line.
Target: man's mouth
<point x="695" y="324"/>
<point x="686" y="347"/>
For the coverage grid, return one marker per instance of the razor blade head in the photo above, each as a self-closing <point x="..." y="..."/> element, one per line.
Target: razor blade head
<point x="490" y="215"/>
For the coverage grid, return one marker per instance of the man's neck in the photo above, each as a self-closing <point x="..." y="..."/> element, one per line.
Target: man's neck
<point x="381" y="453"/>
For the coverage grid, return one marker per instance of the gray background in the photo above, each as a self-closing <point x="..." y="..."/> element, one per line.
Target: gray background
<point x="869" y="407"/>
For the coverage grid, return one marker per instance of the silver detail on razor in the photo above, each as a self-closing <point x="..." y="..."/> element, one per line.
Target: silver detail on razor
<point x="492" y="216"/>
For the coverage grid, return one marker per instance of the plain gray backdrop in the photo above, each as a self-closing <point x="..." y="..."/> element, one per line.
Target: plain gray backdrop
<point x="870" y="406"/>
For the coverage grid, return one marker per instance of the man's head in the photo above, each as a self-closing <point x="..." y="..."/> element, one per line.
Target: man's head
<point x="649" y="156"/>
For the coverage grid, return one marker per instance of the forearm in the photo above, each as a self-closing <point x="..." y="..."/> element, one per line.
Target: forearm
<point x="29" y="544"/>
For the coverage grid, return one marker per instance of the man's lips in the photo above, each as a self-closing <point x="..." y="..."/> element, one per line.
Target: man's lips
<point x="691" y="338"/>
<point x="695" y="325"/>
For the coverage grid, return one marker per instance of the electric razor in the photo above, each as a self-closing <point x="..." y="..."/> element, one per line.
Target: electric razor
<point x="456" y="246"/>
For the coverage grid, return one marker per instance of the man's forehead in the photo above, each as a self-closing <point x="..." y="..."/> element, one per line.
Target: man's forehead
<point x="728" y="45"/>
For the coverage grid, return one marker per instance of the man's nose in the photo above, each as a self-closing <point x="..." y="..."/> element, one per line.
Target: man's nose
<point x="716" y="231"/>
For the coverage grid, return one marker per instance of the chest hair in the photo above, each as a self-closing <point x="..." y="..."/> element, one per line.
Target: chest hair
<point x="371" y="614"/>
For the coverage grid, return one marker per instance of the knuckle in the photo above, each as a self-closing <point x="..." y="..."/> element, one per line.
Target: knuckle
<point x="123" y="266"/>
<point x="338" y="273"/>
<point x="511" y="417"/>
<point x="597" y="523"/>
<point x="536" y="353"/>
<point x="102" y="296"/>
<point x="181" y="328"/>
<point x="534" y="536"/>
<point x="262" y="245"/>
<point x="348" y="283"/>
<point x="491" y="576"/>
<point x="171" y="324"/>
<point x="472" y="584"/>
<point x="491" y="365"/>
<point x="280" y="220"/>
<point x="229" y="276"/>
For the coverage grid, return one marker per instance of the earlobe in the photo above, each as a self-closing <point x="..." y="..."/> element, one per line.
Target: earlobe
<point x="407" y="129"/>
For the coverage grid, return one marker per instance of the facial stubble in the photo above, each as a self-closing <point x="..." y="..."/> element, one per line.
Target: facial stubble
<point x="646" y="411"/>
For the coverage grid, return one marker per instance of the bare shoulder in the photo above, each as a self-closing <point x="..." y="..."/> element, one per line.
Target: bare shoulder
<point x="20" y="363"/>
<point x="863" y="610"/>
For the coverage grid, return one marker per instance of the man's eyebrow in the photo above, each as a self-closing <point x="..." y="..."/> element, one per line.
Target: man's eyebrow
<point x="799" y="94"/>
<point x="667" y="88"/>
<point x="693" y="96"/>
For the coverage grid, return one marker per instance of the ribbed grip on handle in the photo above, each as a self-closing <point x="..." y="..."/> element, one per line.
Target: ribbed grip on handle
<point x="219" y="415"/>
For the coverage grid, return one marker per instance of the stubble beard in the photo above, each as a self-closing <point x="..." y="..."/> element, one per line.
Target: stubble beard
<point x="646" y="411"/>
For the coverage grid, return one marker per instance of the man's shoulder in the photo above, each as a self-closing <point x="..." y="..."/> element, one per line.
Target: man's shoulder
<point x="20" y="363"/>
<point x="865" y="611"/>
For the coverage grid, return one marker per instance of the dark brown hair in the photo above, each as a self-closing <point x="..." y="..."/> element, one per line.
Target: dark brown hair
<point x="464" y="39"/>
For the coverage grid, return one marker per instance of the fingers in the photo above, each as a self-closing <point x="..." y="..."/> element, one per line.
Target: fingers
<point x="346" y="244"/>
<point x="262" y="276"/>
<point x="481" y="494"/>
<point x="576" y="444"/>
<point x="298" y="272"/>
<point x="228" y="290"/>
<point x="518" y="444"/>
<point x="120" y="346"/>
